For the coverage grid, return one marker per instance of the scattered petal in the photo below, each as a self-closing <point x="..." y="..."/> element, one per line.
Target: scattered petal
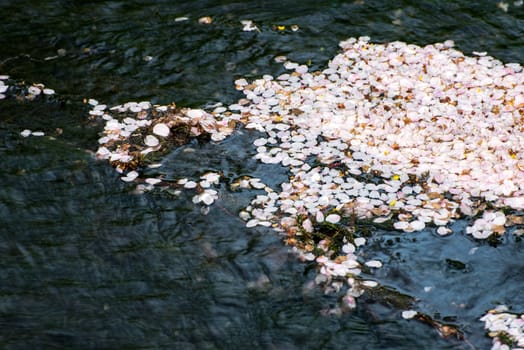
<point x="151" y="141"/>
<point x="130" y="176"/>
<point x="409" y="314"/>
<point x="333" y="218"/>
<point x="373" y="263"/>
<point x="161" y="129"/>
<point x="371" y="284"/>
<point x="153" y="181"/>
<point x="190" y="184"/>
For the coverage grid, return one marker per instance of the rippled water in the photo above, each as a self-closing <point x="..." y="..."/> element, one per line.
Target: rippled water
<point x="87" y="263"/>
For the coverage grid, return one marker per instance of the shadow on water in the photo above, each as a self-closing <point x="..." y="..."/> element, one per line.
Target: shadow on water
<point x="87" y="263"/>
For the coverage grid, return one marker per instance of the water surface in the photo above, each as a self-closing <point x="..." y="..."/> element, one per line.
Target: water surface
<point x="88" y="263"/>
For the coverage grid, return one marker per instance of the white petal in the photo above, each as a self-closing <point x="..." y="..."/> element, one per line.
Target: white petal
<point x="373" y="263"/>
<point x="190" y="184"/>
<point x="401" y="225"/>
<point x="252" y="223"/>
<point x="371" y="284"/>
<point x="500" y="219"/>
<point x="409" y="314"/>
<point x="204" y="184"/>
<point x="130" y="176"/>
<point x="195" y="113"/>
<point x="207" y="198"/>
<point x="381" y="219"/>
<point x="348" y="248"/>
<point x="443" y="231"/>
<point x="33" y="90"/>
<point x="153" y="181"/>
<point x="147" y="150"/>
<point x="161" y="129"/>
<point x="483" y="234"/>
<point x="151" y="141"/>
<point x="417" y="225"/>
<point x="333" y="218"/>
<point x="307" y="225"/>
<point x="255" y="183"/>
<point x="360" y="241"/>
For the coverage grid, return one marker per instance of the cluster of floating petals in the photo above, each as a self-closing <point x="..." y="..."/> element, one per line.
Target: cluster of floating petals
<point x="485" y="226"/>
<point x="394" y="132"/>
<point x="207" y="194"/>
<point x="133" y="131"/>
<point x="21" y="90"/>
<point x="506" y="329"/>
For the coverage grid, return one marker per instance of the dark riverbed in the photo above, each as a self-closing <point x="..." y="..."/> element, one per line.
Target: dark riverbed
<point x="87" y="263"/>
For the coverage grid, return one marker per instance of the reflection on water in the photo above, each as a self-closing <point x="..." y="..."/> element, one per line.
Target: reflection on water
<point x="89" y="264"/>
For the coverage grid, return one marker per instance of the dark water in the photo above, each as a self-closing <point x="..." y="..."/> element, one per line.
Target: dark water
<point x="87" y="263"/>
